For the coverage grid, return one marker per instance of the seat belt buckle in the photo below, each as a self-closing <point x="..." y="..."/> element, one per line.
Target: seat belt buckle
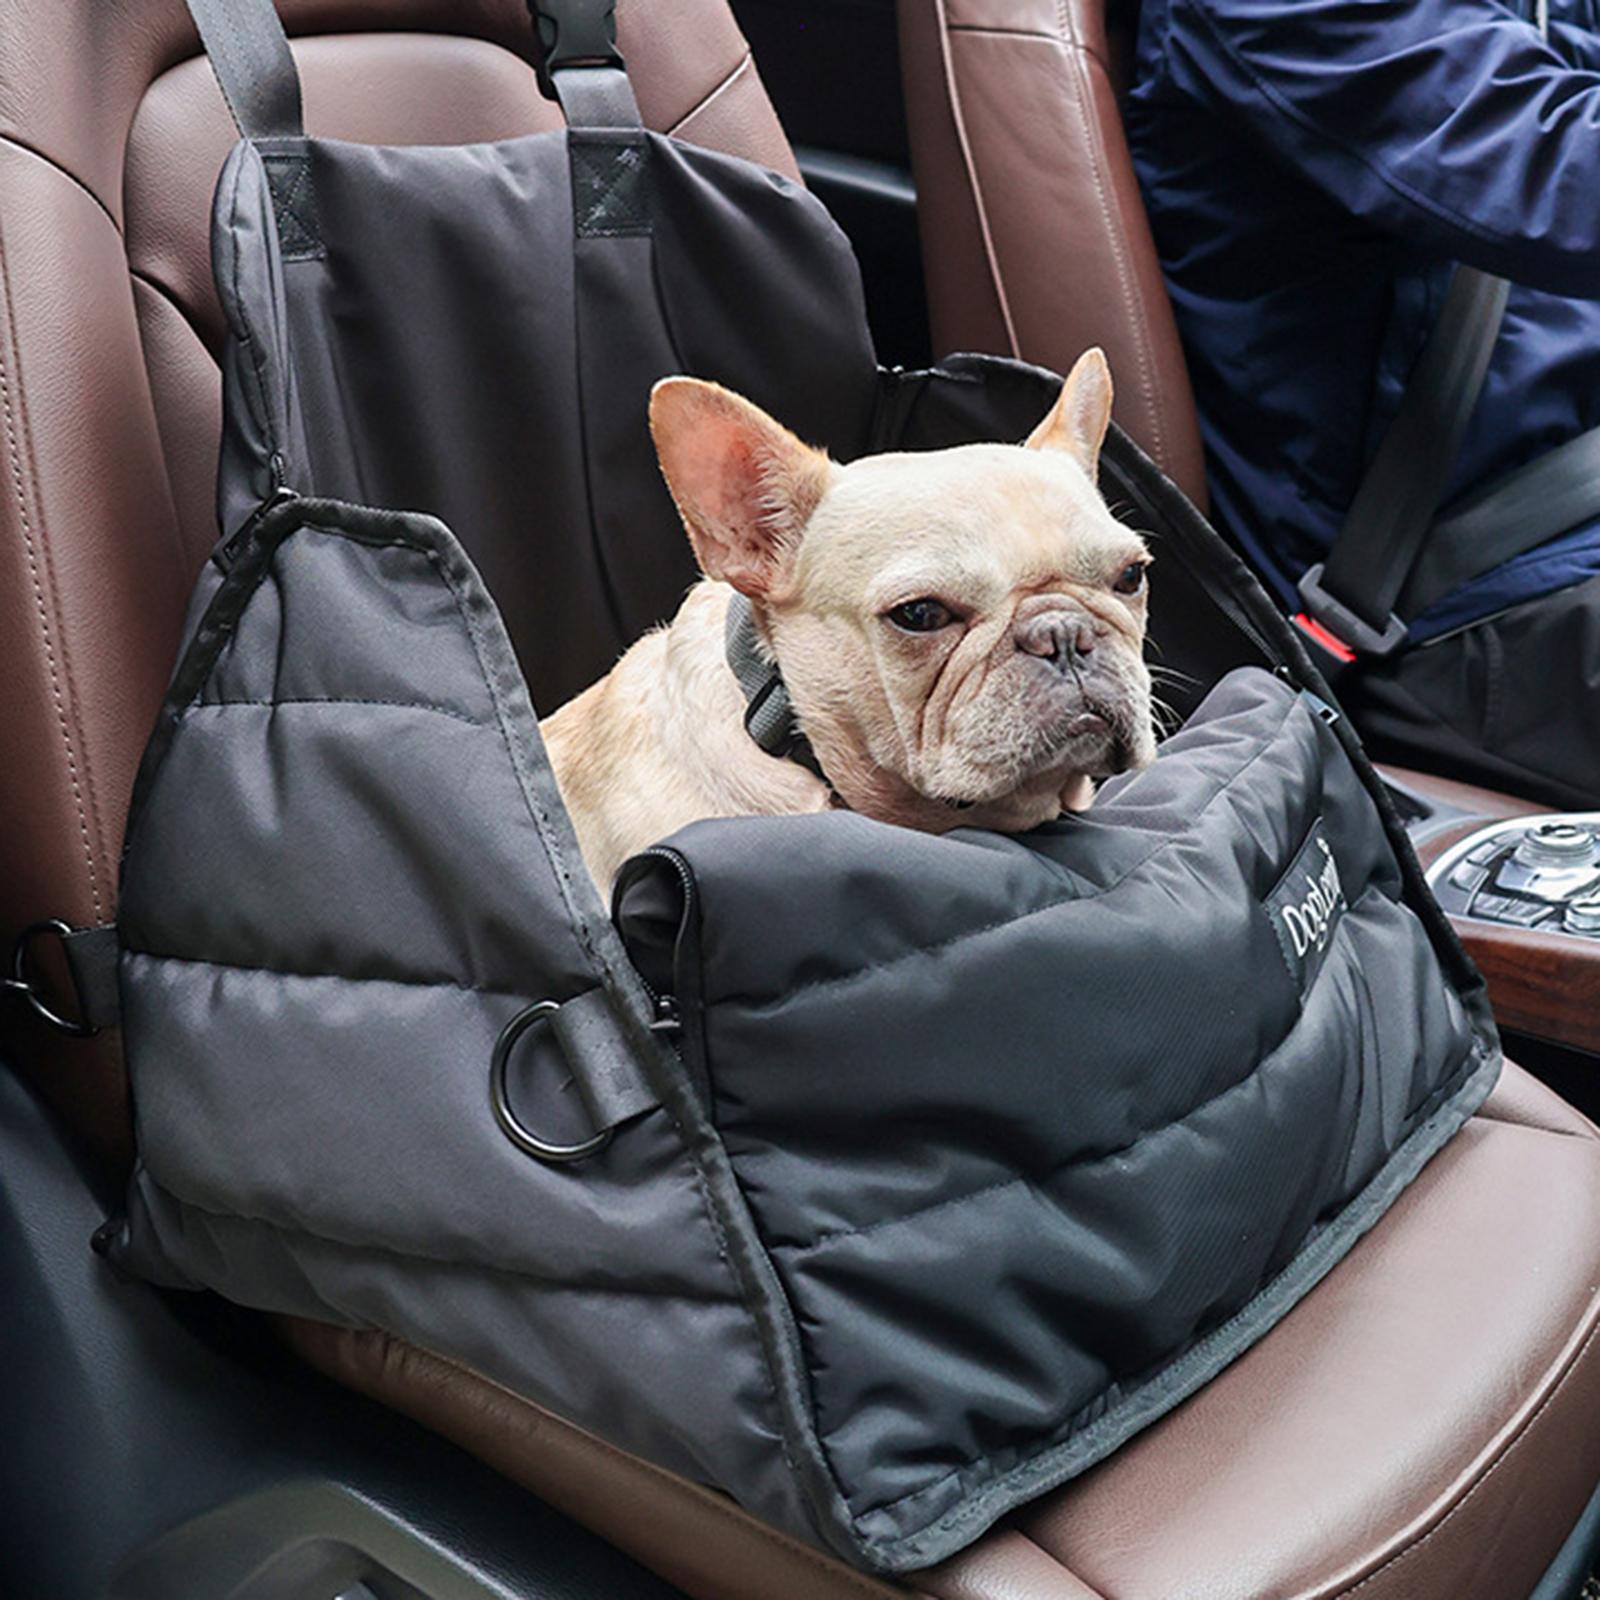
<point x="1336" y="630"/>
<point x="572" y="33"/>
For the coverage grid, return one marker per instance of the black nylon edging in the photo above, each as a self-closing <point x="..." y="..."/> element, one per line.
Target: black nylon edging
<point x="732" y="1226"/>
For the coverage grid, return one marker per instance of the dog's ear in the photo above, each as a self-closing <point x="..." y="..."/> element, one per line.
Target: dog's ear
<point x="745" y="486"/>
<point x="1078" y="420"/>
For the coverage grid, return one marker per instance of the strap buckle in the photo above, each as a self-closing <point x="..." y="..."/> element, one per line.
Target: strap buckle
<point x="28" y="987"/>
<point x="1337" y="630"/>
<point x="572" y="33"/>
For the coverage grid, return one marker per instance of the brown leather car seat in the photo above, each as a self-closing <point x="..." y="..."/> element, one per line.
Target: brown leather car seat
<point x="1035" y="240"/>
<point x="1420" y="1426"/>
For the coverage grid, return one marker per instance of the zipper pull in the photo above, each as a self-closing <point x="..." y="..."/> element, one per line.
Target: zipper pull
<point x="1320" y="707"/>
<point x="667" y="1019"/>
<point x="231" y="549"/>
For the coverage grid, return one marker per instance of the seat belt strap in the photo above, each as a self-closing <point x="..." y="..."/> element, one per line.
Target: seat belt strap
<point x="249" y="53"/>
<point x="1354" y="593"/>
<point x="1558" y="491"/>
<point x="1352" y="601"/>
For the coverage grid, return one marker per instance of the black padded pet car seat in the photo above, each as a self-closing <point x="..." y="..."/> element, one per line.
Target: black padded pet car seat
<point x="897" y="1222"/>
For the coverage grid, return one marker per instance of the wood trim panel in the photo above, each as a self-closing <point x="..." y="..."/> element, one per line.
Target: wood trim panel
<point x="1543" y="984"/>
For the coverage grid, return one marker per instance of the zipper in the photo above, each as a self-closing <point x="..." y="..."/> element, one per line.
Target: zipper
<point x="669" y="1020"/>
<point x="1320" y="708"/>
<point x="228" y="552"/>
<point x="662" y="852"/>
<point x="678" y="1018"/>
<point x="668" y="1014"/>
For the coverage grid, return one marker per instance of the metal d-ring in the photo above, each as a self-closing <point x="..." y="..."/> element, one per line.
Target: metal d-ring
<point x="513" y="1129"/>
<point x="20" y="983"/>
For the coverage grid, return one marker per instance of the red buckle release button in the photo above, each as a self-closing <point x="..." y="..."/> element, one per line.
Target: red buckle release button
<point x="1320" y="636"/>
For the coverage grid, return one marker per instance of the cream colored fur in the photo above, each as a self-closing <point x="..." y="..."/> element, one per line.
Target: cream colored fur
<point x="1001" y="719"/>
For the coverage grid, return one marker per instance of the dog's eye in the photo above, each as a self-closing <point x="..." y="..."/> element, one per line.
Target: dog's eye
<point x="1131" y="579"/>
<point x="921" y="616"/>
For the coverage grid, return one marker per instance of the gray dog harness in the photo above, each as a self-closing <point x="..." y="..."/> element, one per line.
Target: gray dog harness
<point x="769" y="715"/>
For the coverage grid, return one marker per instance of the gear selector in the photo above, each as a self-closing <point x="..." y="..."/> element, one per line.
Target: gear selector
<point x="1527" y="874"/>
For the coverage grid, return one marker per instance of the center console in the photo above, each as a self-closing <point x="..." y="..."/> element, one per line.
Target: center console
<point x="1522" y="886"/>
<point x="1529" y="872"/>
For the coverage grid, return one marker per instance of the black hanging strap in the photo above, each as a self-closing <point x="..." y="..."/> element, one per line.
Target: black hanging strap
<point x="579" y="64"/>
<point x="249" y="53"/>
<point x="597" y="97"/>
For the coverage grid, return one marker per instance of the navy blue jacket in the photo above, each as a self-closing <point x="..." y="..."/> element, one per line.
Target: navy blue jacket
<point x="1313" y="168"/>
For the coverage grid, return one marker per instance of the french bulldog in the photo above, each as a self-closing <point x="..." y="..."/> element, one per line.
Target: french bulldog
<point x="960" y="633"/>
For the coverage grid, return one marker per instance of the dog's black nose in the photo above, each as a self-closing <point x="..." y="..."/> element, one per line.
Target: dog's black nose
<point x="1058" y="636"/>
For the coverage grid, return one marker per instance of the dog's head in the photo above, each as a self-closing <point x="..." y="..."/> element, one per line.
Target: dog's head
<point x="960" y="631"/>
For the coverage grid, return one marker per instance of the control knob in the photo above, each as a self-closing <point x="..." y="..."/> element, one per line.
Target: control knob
<point x="1556" y="844"/>
<point x="1583" y="915"/>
